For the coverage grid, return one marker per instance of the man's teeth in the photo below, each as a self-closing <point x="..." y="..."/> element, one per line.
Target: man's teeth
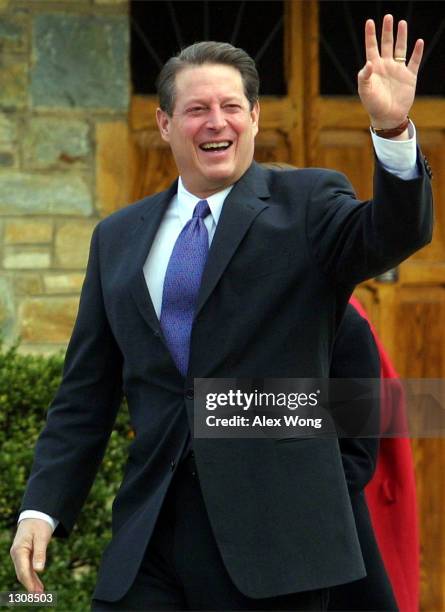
<point x="216" y="145"/>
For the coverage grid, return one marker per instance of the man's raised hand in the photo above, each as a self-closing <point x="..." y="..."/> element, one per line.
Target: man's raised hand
<point x="387" y="84"/>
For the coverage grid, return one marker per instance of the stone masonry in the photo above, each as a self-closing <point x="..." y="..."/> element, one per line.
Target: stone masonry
<point x="64" y="98"/>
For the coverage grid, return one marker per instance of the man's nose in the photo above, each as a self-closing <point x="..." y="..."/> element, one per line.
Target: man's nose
<point x="216" y="119"/>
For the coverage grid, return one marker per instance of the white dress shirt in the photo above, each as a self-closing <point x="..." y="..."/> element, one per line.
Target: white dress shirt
<point x="396" y="156"/>
<point x="179" y="212"/>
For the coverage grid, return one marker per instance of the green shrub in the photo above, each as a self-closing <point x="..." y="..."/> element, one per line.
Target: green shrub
<point x="27" y="386"/>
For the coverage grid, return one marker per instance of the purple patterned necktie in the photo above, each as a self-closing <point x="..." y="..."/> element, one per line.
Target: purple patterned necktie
<point x="181" y="285"/>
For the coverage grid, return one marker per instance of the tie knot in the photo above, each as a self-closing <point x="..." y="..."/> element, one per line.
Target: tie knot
<point x="201" y="209"/>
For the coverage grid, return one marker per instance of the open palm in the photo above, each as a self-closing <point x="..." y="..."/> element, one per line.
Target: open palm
<point x="386" y="85"/>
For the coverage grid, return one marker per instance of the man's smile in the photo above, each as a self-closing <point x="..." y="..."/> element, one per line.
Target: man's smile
<point x="214" y="145"/>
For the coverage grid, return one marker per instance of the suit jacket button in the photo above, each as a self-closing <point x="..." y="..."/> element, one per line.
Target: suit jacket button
<point x="172" y="465"/>
<point x="189" y="394"/>
<point x="428" y="167"/>
<point x="156" y="334"/>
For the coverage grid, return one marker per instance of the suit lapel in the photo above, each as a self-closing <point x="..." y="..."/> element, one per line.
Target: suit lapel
<point x="144" y="235"/>
<point x="241" y="206"/>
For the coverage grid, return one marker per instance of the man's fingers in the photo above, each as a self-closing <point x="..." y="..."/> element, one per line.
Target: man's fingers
<point x="416" y="57"/>
<point x="28" y="552"/>
<point x="387" y="37"/>
<point x="38" y="584"/>
<point x="39" y="553"/>
<point x="402" y="39"/>
<point x="21" y="555"/>
<point x="372" y="48"/>
<point x="365" y="72"/>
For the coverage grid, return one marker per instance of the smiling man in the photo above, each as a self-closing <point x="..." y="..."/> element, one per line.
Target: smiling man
<point x="212" y="127"/>
<point x="234" y="271"/>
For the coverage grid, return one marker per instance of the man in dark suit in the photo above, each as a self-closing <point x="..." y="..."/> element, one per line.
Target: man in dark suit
<point x="226" y="523"/>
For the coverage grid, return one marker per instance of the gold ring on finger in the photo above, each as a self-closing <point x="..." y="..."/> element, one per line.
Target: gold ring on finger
<point x="400" y="59"/>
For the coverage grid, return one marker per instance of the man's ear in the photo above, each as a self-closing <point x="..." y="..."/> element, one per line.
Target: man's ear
<point x="255" y="116"/>
<point x="163" y="120"/>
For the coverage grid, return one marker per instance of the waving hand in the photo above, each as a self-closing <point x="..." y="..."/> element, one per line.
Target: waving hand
<point x="387" y="84"/>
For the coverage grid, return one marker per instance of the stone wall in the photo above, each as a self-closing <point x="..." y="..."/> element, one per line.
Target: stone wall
<point x="64" y="96"/>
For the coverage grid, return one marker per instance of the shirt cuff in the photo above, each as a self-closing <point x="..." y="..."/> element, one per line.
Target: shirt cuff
<point x="39" y="515"/>
<point x="398" y="156"/>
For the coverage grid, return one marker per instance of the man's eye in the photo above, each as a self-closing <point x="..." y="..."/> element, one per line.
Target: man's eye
<point x="232" y="107"/>
<point x="196" y="110"/>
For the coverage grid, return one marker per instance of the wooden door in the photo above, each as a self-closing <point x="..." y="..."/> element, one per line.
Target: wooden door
<point x="408" y="311"/>
<point x="305" y="128"/>
<point x="281" y="136"/>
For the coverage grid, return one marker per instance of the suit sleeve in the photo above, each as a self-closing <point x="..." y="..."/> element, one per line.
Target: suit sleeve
<point x="355" y="356"/>
<point x="353" y="240"/>
<point x="80" y="419"/>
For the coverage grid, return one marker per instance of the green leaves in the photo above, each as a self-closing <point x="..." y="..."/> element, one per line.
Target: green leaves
<point x="27" y="386"/>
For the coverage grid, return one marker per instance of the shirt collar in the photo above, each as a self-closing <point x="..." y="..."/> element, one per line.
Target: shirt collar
<point x="187" y="202"/>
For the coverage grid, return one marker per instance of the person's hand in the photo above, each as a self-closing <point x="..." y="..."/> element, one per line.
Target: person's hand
<point x="386" y="85"/>
<point x="28" y="552"/>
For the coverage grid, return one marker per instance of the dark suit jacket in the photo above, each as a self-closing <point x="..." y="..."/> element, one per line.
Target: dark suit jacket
<point x="288" y="249"/>
<point x="355" y="356"/>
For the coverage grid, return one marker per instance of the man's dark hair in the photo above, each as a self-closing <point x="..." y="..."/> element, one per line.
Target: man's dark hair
<point x="207" y="52"/>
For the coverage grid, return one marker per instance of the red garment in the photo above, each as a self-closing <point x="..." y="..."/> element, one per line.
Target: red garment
<point x="391" y="494"/>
